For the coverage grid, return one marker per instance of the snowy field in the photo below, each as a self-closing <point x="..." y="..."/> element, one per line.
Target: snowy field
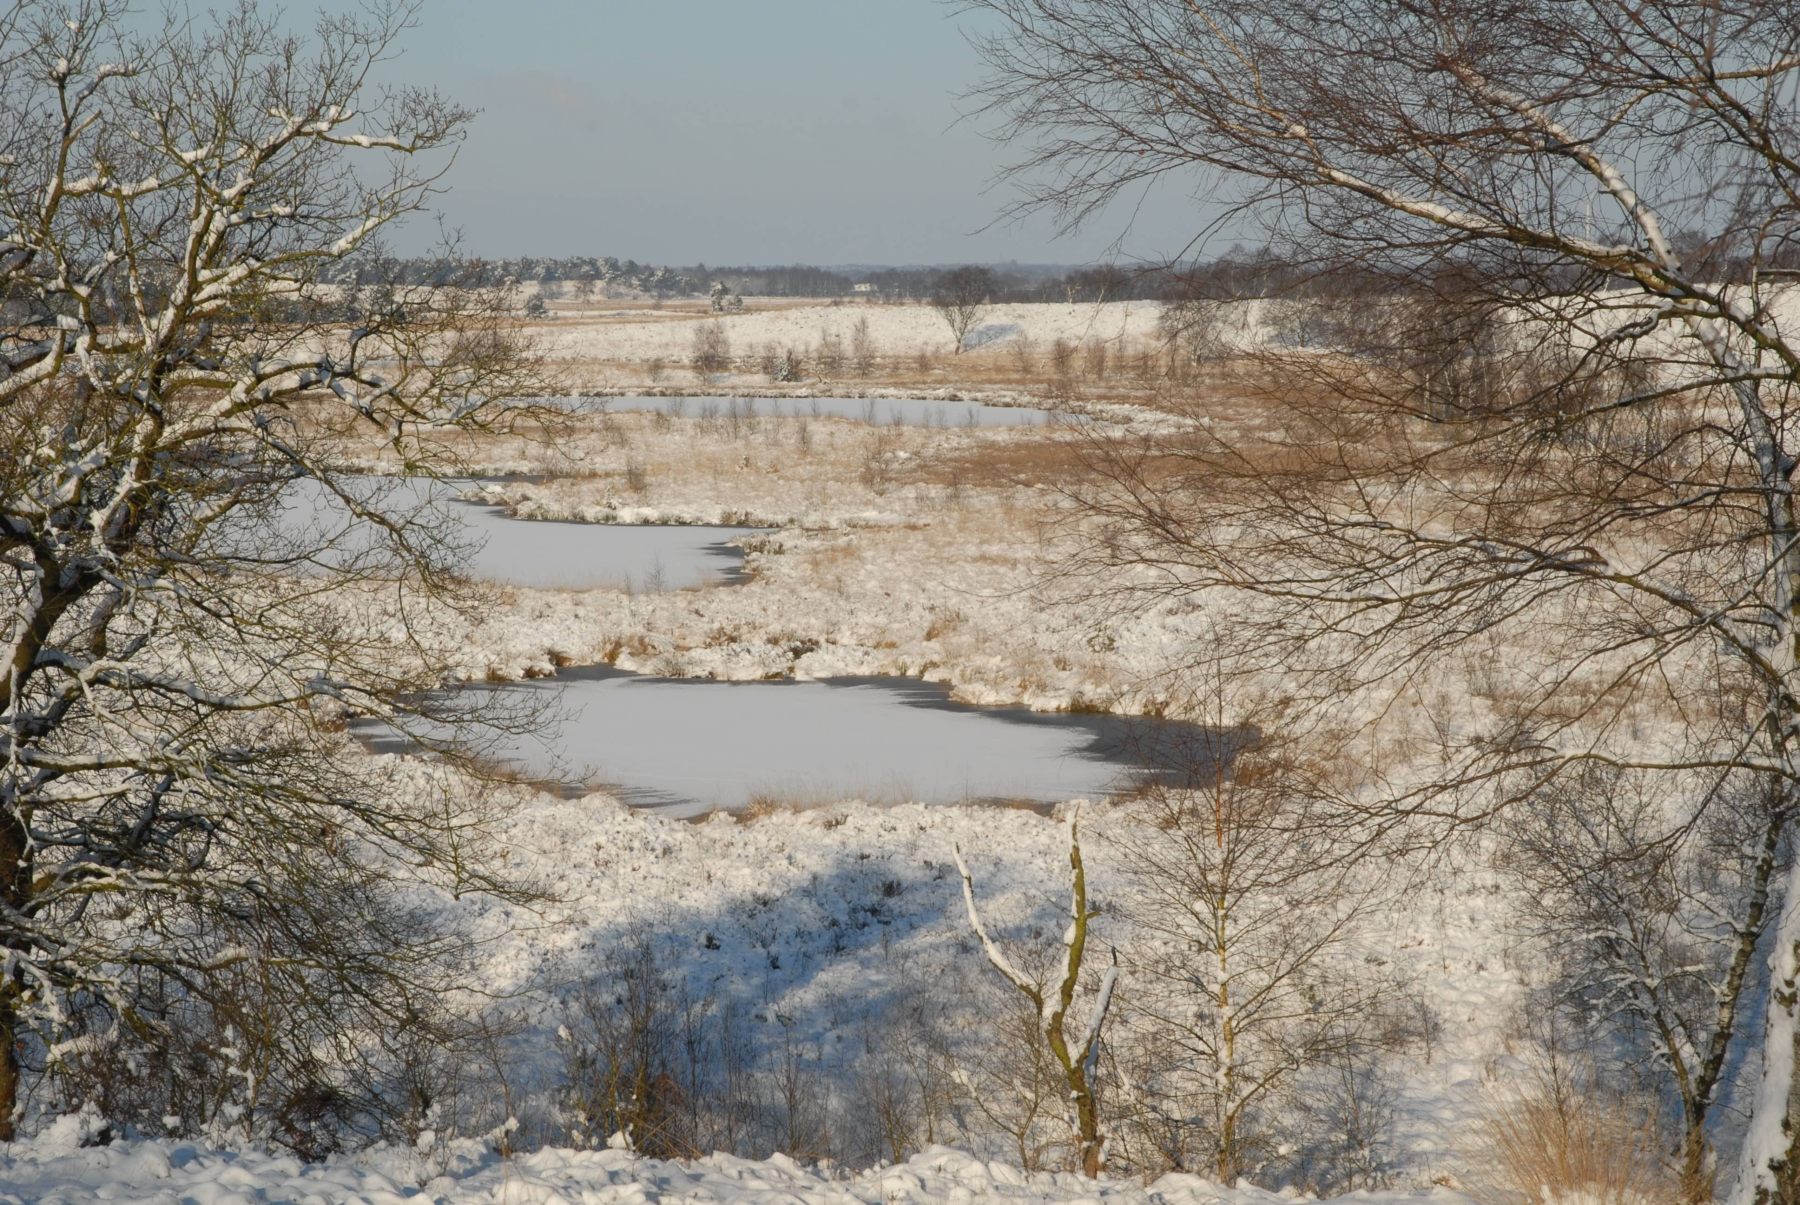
<point x="891" y="550"/>
<point x="813" y="919"/>
<point x="167" y="1173"/>
<point x="894" y="329"/>
<point x="821" y="918"/>
<point x="896" y="551"/>
<point x="924" y="551"/>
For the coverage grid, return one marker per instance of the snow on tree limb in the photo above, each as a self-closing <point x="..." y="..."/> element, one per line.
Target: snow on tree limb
<point x="1079" y="1066"/>
<point x="995" y="955"/>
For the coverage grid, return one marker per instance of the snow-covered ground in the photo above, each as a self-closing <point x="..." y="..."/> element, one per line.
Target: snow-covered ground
<point x="909" y="551"/>
<point x="817" y="917"/>
<point x="166" y="1173"/>
<point x="813" y="921"/>
<point x="894" y="329"/>
<point x="875" y="411"/>
<point x="897" y="551"/>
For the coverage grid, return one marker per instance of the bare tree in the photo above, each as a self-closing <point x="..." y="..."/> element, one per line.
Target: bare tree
<point x="1657" y="929"/>
<point x="961" y="298"/>
<point x="1244" y="976"/>
<point x="632" y="1044"/>
<point x="1077" y="1061"/>
<point x="862" y="347"/>
<point x="712" y="349"/>
<point x="1005" y="1074"/>
<point x="1409" y="143"/>
<point x="186" y="832"/>
<point x="830" y="356"/>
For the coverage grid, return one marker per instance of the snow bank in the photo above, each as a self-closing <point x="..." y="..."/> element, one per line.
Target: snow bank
<point x="170" y="1172"/>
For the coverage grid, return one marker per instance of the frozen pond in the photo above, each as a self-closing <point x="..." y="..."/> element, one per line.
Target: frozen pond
<point x="644" y="557"/>
<point x="692" y="745"/>
<point x="536" y="553"/>
<point x="901" y="412"/>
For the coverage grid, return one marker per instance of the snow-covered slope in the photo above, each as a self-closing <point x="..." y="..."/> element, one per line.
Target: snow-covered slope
<point x="55" y="1172"/>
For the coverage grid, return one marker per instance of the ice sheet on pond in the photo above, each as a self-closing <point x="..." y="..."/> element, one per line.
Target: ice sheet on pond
<point x="695" y="745"/>
<point x="903" y="412"/>
<point x="540" y="554"/>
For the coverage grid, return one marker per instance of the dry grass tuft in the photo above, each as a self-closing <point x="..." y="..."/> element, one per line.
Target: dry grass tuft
<point x="761" y="806"/>
<point x="1560" y="1145"/>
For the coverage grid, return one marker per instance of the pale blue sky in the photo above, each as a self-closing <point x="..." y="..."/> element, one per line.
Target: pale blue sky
<point x="735" y="131"/>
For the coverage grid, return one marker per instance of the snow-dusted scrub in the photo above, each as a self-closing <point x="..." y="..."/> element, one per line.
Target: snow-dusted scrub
<point x="807" y="982"/>
<point x="711" y="350"/>
<point x="664" y="1061"/>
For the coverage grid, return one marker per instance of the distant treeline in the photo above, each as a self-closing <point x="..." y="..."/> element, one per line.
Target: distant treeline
<point x="1257" y="273"/>
<point x="1238" y="274"/>
<point x="917" y="283"/>
<point x="577" y="270"/>
<point x="579" y="273"/>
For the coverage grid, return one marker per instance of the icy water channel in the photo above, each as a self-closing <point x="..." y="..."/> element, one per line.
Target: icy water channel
<point x="691" y="746"/>
<point x="893" y="412"/>
<point x="537" y="553"/>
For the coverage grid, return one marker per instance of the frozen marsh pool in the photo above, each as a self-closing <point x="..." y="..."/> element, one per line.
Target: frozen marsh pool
<point x="689" y="746"/>
<point x="900" y="412"/>
<point x="541" y="554"/>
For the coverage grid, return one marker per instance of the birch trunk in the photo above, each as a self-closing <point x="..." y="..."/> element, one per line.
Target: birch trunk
<point x="1764" y="1166"/>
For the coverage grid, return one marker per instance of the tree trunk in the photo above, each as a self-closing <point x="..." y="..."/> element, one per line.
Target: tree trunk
<point x="1787" y="1178"/>
<point x="1087" y="1120"/>
<point x="9" y="1063"/>
<point x="1764" y="1170"/>
<point x="1696" y="1183"/>
<point x="15" y="889"/>
<point x="1226" y="1164"/>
